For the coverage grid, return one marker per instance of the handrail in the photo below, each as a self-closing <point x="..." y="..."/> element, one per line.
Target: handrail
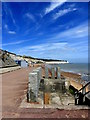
<point x="86" y="93"/>
<point x="82" y="88"/>
<point x="83" y="97"/>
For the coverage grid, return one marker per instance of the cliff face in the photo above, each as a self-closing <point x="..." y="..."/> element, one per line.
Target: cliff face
<point x="28" y="59"/>
<point x="6" y="60"/>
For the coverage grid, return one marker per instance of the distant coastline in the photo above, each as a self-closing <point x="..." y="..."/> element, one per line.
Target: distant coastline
<point x="57" y="62"/>
<point x="33" y="59"/>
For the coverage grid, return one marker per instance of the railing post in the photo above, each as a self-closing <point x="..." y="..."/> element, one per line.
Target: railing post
<point x="46" y="72"/>
<point x="83" y="92"/>
<point x="76" y="99"/>
<point x="53" y="73"/>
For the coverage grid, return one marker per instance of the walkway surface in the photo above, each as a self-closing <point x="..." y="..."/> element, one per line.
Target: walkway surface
<point x="14" y="87"/>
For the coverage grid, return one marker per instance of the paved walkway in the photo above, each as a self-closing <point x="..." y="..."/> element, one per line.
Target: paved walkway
<point x="14" y="86"/>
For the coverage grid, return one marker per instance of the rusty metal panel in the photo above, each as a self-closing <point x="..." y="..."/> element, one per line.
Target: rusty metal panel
<point x="46" y="98"/>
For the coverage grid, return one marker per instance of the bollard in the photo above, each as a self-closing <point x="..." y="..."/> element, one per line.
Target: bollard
<point x="40" y="73"/>
<point x="46" y="72"/>
<point x="38" y="77"/>
<point x="53" y="73"/>
<point x="58" y="72"/>
<point x="33" y="79"/>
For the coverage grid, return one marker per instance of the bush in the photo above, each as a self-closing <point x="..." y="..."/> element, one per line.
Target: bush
<point x="71" y="91"/>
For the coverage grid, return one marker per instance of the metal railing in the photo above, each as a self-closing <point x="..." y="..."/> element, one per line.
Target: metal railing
<point x="80" y="97"/>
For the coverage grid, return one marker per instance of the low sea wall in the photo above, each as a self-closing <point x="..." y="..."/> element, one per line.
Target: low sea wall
<point x="9" y="69"/>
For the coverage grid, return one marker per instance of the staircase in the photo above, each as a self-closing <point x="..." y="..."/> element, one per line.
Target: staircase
<point x="82" y="97"/>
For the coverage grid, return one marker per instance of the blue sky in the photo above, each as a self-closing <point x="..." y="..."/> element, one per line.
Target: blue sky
<point x="46" y="30"/>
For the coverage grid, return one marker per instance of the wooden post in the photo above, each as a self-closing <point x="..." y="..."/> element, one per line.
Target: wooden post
<point x="46" y="98"/>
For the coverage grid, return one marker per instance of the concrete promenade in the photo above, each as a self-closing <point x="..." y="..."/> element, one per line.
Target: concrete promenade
<point x="14" y="88"/>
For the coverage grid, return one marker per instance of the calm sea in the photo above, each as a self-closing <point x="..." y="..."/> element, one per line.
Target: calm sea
<point x="79" y="68"/>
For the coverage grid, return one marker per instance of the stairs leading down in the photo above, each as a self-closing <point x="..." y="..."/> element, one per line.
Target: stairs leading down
<point x="82" y="97"/>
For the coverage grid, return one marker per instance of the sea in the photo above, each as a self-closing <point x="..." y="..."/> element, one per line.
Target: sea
<point x="78" y="68"/>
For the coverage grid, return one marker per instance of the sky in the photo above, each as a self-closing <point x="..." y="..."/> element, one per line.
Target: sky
<point x="53" y="30"/>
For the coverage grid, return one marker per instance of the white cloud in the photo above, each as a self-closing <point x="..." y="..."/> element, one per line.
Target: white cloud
<point x="82" y="30"/>
<point x="70" y="34"/>
<point x="11" y="14"/>
<point x="11" y="32"/>
<point x="57" y="50"/>
<point x="42" y="47"/>
<point x="12" y="43"/>
<point x="63" y="12"/>
<point x="73" y="33"/>
<point x="54" y="5"/>
<point x="8" y="11"/>
<point x="6" y="26"/>
<point x="55" y="45"/>
<point x="61" y="50"/>
<point x="30" y="16"/>
<point x="15" y="43"/>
